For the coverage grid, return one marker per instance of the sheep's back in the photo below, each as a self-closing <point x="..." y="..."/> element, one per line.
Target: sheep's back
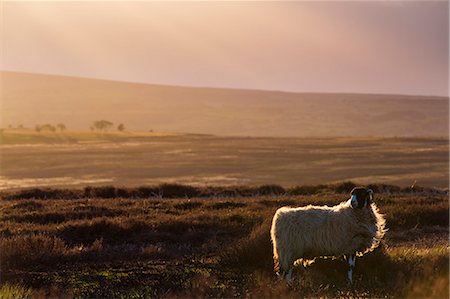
<point x="295" y="228"/>
<point x="314" y="231"/>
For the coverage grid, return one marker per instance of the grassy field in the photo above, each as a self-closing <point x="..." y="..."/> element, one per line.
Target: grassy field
<point x="76" y="159"/>
<point x="193" y="242"/>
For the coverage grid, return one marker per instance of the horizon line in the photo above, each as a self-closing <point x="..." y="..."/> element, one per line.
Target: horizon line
<point x="447" y="97"/>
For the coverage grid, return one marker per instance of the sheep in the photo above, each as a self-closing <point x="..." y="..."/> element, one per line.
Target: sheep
<point x="351" y="228"/>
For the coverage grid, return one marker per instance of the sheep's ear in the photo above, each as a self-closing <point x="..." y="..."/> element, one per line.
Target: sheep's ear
<point x="370" y="191"/>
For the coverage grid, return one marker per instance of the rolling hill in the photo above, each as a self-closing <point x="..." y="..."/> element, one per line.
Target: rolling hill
<point x="30" y="99"/>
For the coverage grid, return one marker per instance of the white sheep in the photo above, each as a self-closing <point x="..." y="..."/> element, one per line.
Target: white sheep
<point x="350" y="228"/>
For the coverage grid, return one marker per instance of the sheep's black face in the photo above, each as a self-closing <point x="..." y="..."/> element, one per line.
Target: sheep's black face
<point x="361" y="197"/>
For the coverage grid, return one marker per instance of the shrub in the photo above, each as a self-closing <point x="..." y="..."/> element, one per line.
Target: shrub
<point x="145" y="192"/>
<point x="307" y="189"/>
<point x="125" y="193"/>
<point x="251" y="252"/>
<point x="177" y="190"/>
<point x="153" y="251"/>
<point x="110" y="230"/>
<point x="100" y="192"/>
<point x="271" y="190"/>
<point x="31" y="249"/>
<point x="344" y="187"/>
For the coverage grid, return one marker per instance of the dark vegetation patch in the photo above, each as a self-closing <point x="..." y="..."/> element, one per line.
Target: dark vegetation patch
<point x="188" y="205"/>
<point x="271" y="190"/>
<point x="100" y="192"/>
<point x="226" y="205"/>
<point x="42" y="193"/>
<point x="187" y="191"/>
<point x="114" y="230"/>
<point x="59" y="217"/>
<point x="278" y="203"/>
<point x="308" y="189"/>
<point x="344" y="187"/>
<point x="29" y="205"/>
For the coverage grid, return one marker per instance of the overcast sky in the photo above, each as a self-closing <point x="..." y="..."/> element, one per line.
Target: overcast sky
<point x="396" y="47"/>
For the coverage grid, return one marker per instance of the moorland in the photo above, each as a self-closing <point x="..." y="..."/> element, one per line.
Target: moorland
<point x="175" y="241"/>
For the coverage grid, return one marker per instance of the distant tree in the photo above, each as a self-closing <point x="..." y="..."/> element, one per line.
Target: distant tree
<point x="48" y="127"/>
<point x="151" y="130"/>
<point x="102" y="125"/>
<point x="121" y="127"/>
<point x="20" y="126"/>
<point x="38" y="128"/>
<point x="10" y="126"/>
<point x="61" y="127"/>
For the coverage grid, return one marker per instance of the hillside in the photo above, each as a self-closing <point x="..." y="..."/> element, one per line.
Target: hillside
<point x="29" y="99"/>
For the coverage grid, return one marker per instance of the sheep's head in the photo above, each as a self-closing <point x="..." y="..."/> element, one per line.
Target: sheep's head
<point x="361" y="197"/>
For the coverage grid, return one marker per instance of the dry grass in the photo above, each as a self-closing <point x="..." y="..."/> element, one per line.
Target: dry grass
<point x="28" y="250"/>
<point x="208" y="246"/>
<point x="253" y="251"/>
<point x="9" y="291"/>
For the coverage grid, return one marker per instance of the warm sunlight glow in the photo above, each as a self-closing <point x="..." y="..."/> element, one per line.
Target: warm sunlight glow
<point x="368" y="47"/>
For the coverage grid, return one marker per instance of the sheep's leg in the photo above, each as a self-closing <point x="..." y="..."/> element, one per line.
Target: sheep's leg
<point x="289" y="276"/>
<point x="351" y="259"/>
<point x="287" y="263"/>
<point x="286" y="274"/>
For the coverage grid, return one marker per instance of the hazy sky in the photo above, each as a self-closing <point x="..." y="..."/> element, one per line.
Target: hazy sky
<point x="371" y="47"/>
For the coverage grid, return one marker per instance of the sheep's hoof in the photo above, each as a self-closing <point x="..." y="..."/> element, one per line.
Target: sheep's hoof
<point x="351" y="285"/>
<point x="289" y="284"/>
<point x="289" y="277"/>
